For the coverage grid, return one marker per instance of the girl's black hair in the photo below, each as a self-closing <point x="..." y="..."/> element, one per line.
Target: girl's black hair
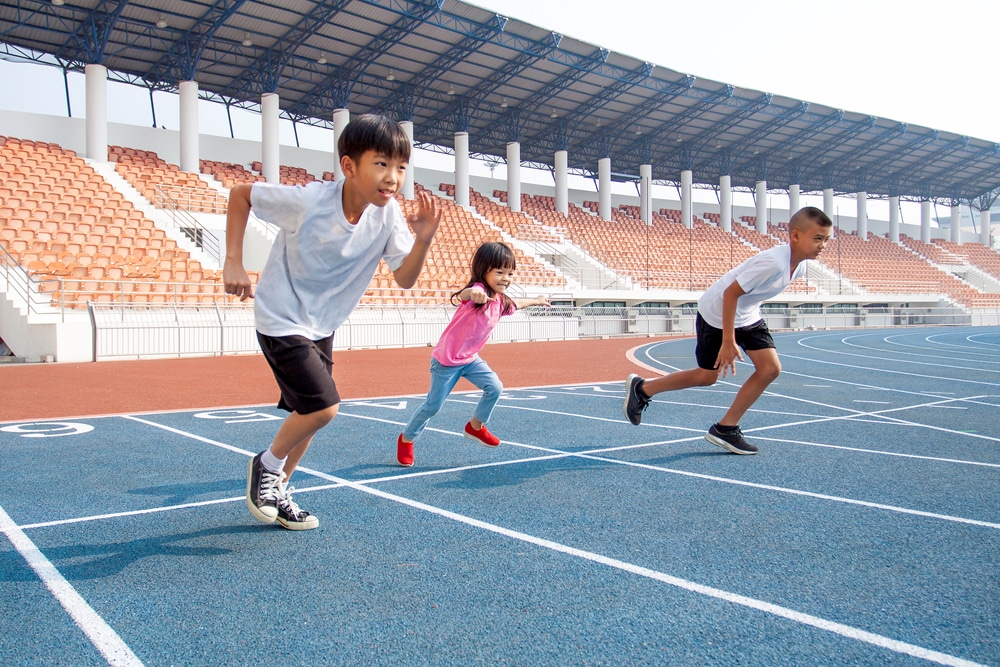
<point x="373" y="132"/>
<point x="490" y="255"/>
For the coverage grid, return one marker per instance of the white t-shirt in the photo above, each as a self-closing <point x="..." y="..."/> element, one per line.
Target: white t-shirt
<point x="320" y="265"/>
<point x="764" y="275"/>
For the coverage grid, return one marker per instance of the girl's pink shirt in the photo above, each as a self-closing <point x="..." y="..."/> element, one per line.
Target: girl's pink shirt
<point x="468" y="331"/>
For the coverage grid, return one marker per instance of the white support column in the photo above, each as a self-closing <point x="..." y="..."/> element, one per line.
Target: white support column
<point x="828" y="204"/>
<point x="956" y="223"/>
<point x="462" y="169"/>
<point x="925" y="221"/>
<point x="793" y="200"/>
<point x="341" y="117"/>
<point x="189" y="126"/>
<point x="604" y="187"/>
<point x="269" y="154"/>
<point x="725" y="203"/>
<point x="894" y="219"/>
<point x="646" y="193"/>
<point x="686" y="178"/>
<point x="862" y="215"/>
<point x="562" y="182"/>
<point x="411" y="174"/>
<point x="762" y="207"/>
<point x="97" y="112"/>
<point x="984" y="227"/>
<point x="514" y="176"/>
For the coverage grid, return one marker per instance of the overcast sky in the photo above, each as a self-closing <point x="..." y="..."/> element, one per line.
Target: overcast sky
<point x="916" y="61"/>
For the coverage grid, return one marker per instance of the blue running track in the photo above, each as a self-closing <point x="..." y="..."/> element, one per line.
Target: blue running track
<point x="865" y="532"/>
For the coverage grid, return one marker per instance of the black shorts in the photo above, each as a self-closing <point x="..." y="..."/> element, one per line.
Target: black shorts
<point x="753" y="337"/>
<point x="304" y="371"/>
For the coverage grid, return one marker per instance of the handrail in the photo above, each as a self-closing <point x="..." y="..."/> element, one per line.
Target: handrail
<point x="186" y="223"/>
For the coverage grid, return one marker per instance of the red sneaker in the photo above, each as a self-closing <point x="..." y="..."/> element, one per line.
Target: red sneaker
<point x="482" y="435"/>
<point x="404" y="452"/>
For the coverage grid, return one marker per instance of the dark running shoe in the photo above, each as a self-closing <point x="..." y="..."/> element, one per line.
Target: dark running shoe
<point x="732" y="441"/>
<point x="263" y="490"/>
<point x="291" y="516"/>
<point x="635" y="402"/>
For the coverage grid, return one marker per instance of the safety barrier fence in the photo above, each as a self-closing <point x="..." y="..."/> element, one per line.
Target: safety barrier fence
<point x="137" y="331"/>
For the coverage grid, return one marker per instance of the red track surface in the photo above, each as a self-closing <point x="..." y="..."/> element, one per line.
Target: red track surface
<point x="42" y="391"/>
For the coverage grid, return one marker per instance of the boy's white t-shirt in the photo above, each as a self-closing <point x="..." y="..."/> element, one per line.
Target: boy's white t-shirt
<point x="320" y="265"/>
<point x="764" y="275"/>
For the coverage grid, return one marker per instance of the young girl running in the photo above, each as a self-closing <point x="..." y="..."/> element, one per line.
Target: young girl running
<point x="482" y="302"/>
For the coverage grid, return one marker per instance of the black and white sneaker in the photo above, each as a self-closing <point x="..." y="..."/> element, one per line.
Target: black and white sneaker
<point x="635" y="402"/>
<point x="263" y="490"/>
<point x="293" y="517"/>
<point x="731" y="440"/>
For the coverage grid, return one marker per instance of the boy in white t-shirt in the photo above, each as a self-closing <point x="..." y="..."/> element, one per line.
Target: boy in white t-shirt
<point x="331" y="238"/>
<point x="729" y="319"/>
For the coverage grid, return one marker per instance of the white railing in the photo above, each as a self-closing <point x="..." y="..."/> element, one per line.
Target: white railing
<point x="177" y="202"/>
<point x="136" y="331"/>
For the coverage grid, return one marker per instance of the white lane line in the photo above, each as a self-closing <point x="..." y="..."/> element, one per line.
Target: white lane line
<point x="103" y="637"/>
<point x="117" y="515"/>
<point x="591" y="455"/>
<point x="841" y="629"/>
<point x="799" y="492"/>
<point x="790" y="614"/>
<point x="870" y="369"/>
<point x="881" y="452"/>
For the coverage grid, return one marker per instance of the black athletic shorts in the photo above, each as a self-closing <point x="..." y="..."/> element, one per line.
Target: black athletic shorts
<point x="304" y="371"/>
<point x="752" y="337"/>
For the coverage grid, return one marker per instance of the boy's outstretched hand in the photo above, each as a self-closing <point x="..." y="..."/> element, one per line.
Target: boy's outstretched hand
<point x="425" y="221"/>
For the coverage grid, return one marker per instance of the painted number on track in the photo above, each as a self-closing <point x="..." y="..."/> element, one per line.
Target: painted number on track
<point x="47" y="429"/>
<point x="238" y="416"/>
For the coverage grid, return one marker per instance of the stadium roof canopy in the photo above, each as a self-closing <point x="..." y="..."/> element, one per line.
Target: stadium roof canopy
<point x="450" y="66"/>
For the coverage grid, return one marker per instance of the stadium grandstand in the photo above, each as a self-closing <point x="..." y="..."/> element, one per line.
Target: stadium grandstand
<point x="112" y="235"/>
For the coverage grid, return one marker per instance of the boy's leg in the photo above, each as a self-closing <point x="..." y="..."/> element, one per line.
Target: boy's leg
<point x="693" y="377"/>
<point x="482" y="377"/>
<point x="296" y="433"/>
<point x="638" y="391"/>
<point x="767" y="367"/>
<point x="303" y="371"/>
<point x="726" y="433"/>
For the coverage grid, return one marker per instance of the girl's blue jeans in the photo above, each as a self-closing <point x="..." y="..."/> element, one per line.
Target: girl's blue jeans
<point x="443" y="380"/>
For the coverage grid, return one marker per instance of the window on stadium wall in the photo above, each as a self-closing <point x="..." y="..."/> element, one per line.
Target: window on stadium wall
<point x="654" y="308"/>
<point x="876" y="308"/>
<point x="558" y="309"/>
<point x="689" y="308"/>
<point x="614" y="308"/>
<point x="774" y="307"/>
<point x="810" y="307"/>
<point x="842" y="308"/>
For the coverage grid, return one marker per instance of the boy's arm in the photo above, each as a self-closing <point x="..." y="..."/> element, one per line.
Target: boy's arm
<point x="424" y="224"/>
<point x="729" y="352"/>
<point x="234" y="276"/>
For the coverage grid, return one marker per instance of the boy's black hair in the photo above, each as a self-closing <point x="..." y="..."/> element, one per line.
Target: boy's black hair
<point x="490" y="255"/>
<point x="373" y="132"/>
<point x="812" y="214"/>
